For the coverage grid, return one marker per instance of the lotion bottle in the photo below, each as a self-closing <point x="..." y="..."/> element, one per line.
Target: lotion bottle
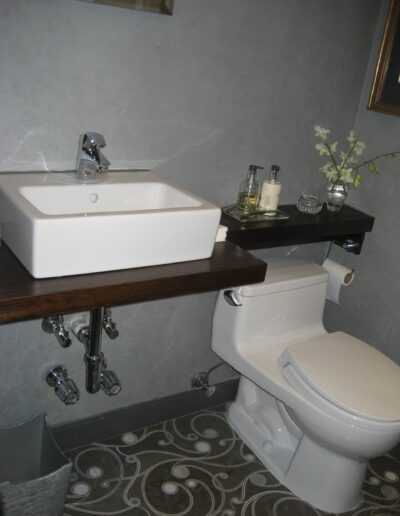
<point x="270" y="191"/>
<point x="249" y="191"/>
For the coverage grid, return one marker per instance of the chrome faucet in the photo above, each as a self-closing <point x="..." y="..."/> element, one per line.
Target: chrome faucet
<point x="90" y="159"/>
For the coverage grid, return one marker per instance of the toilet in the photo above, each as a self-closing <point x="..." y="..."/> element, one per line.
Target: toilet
<point x="313" y="406"/>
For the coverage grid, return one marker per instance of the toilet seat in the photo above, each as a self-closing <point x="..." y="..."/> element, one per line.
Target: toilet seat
<point x="343" y="371"/>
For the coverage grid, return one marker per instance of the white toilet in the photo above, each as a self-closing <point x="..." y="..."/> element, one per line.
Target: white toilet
<point x="313" y="406"/>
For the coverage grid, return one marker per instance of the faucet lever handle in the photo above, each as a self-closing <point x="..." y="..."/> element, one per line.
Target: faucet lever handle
<point x="91" y="139"/>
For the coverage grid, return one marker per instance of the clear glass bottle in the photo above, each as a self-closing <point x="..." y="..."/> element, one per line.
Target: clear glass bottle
<point x="249" y="191"/>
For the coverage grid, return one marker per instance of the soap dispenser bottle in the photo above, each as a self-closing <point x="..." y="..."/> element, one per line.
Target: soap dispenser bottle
<point x="249" y="191"/>
<point x="270" y="191"/>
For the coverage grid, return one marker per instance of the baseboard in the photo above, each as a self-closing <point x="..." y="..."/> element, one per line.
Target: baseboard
<point x="395" y="452"/>
<point x="134" y="417"/>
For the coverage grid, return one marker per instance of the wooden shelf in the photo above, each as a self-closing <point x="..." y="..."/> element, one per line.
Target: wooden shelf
<point x="23" y="297"/>
<point x="345" y="227"/>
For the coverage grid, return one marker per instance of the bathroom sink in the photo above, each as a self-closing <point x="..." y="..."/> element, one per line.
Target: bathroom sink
<point x="57" y="226"/>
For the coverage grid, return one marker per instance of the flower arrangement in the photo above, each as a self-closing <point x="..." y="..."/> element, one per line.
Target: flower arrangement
<point x="343" y="167"/>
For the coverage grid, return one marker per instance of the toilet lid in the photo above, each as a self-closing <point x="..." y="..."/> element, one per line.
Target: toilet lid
<point x="347" y="372"/>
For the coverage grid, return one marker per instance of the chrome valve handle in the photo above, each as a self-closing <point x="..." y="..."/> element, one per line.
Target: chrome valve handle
<point x="64" y="387"/>
<point x="109" y="325"/>
<point x="110" y="383"/>
<point x="55" y="324"/>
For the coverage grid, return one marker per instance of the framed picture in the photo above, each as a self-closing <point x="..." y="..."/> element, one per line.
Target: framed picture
<point x="155" y="6"/>
<point x="385" y="92"/>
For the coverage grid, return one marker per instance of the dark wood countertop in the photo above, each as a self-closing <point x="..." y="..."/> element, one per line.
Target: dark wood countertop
<point x="23" y="297"/>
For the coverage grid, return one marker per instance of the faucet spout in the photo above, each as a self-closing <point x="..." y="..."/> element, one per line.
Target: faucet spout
<point x="90" y="160"/>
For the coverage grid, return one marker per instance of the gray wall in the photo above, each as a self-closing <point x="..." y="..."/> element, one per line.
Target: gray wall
<point x="370" y="309"/>
<point x="197" y="97"/>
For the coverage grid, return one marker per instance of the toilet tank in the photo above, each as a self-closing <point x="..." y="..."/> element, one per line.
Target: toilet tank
<point x="287" y="305"/>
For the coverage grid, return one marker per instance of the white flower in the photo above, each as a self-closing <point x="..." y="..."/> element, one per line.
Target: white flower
<point x="330" y="172"/>
<point x="326" y="168"/>
<point x="345" y="158"/>
<point x="322" y="148"/>
<point x="351" y="138"/>
<point x="333" y="146"/>
<point x="346" y="175"/>
<point x="321" y="133"/>
<point x="359" y="148"/>
<point x="332" y="175"/>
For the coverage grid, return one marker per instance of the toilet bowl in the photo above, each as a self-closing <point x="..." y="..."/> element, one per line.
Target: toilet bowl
<point x="313" y="406"/>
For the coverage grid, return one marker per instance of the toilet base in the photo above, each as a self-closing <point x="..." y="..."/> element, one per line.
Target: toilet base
<point x="327" y="480"/>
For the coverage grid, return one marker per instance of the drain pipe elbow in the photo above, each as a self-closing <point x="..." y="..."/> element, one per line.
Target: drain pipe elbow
<point x="93" y="372"/>
<point x="97" y="377"/>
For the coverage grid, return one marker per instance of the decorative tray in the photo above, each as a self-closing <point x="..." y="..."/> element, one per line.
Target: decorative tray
<point x="255" y="216"/>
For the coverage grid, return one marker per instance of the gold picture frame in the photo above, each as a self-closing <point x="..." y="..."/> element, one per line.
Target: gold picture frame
<point x="154" y="6"/>
<point x="385" y="91"/>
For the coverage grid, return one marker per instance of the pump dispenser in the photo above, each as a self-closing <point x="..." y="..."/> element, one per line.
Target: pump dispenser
<point x="270" y="191"/>
<point x="249" y="191"/>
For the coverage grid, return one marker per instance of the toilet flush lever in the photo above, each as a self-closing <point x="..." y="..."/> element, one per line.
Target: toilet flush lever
<point x="232" y="298"/>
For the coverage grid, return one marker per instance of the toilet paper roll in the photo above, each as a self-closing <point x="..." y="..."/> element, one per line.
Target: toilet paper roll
<point x="339" y="276"/>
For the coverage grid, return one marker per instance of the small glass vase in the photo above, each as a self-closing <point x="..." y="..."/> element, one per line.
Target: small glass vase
<point x="336" y="195"/>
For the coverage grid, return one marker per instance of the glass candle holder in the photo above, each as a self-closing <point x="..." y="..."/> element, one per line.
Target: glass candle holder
<point x="308" y="203"/>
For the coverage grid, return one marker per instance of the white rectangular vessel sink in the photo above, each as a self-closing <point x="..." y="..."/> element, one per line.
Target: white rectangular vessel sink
<point x="58" y="227"/>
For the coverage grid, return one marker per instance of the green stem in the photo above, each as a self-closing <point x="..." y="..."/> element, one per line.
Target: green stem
<point x="332" y="157"/>
<point x="334" y="162"/>
<point x="375" y="158"/>
<point x="348" y="155"/>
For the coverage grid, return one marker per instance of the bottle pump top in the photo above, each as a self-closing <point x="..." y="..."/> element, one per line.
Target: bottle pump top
<point x="273" y="173"/>
<point x="252" y="184"/>
<point x="254" y="168"/>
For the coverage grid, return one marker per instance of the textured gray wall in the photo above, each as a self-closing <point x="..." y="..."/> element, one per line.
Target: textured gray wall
<point x="370" y="309"/>
<point x="197" y="96"/>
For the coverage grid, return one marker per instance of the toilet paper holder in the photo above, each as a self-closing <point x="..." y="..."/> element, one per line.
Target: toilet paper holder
<point x="351" y="244"/>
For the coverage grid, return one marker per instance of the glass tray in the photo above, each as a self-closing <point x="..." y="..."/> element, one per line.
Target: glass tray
<point x="257" y="216"/>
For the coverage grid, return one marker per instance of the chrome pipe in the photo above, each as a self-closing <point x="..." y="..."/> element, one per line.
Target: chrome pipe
<point x="90" y="334"/>
<point x="93" y="355"/>
<point x="93" y="372"/>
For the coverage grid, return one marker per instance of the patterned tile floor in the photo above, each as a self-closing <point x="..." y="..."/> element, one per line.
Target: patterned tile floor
<point x="197" y="466"/>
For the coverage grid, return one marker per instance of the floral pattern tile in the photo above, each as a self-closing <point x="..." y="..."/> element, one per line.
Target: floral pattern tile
<point x="197" y="466"/>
